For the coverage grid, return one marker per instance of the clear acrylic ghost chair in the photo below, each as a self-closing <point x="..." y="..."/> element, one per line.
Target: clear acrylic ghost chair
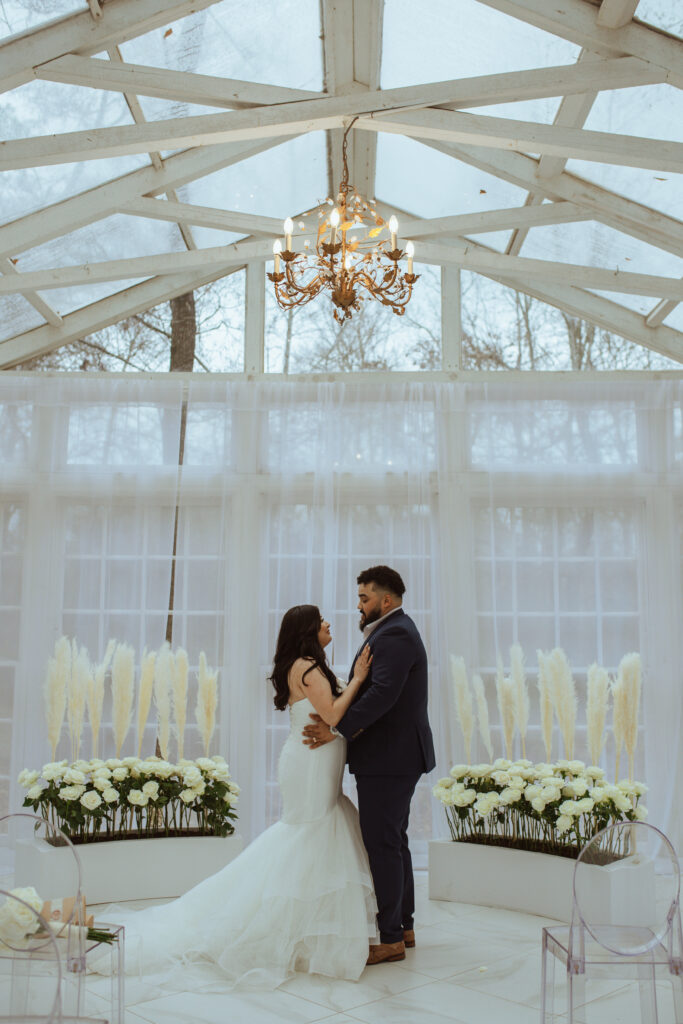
<point x="35" y="842"/>
<point x="626" y="923"/>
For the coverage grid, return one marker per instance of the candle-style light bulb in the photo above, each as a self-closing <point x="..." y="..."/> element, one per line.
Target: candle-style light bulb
<point x="393" y="227"/>
<point x="289" y="227"/>
<point x="277" y="249"/>
<point x="347" y="261"/>
<point x="334" y="221"/>
<point x="410" y="252"/>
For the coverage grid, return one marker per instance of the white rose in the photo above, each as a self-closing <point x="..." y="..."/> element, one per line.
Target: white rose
<point x="575" y="767"/>
<point x="459" y="771"/>
<point x="131" y="762"/>
<point x="594" y="772"/>
<point x="538" y="804"/>
<point x="200" y="788"/>
<point x="16" y="920"/>
<point x="71" y="792"/>
<point x="465" y="798"/>
<point x="138" y="798"/>
<point x="81" y="765"/>
<point x="53" y="771"/>
<point x="191" y="776"/>
<point x="101" y="783"/>
<point x="502" y="764"/>
<point x="639" y="788"/>
<point x="205" y="763"/>
<point x="640" y="812"/>
<point x="569" y="809"/>
<point x="563" y="823"/>
<point x="151" y="789"/>
<point x="234" y="788"/>
<point x="120" y="773"/>
<point x="35" y="793"/>
<point x="110" y="795"/>
<point x="74" y="776"/>
<point x="230" y="799"/>
<point x="112" y="763"/>
<point x="510" y="795"/>
<point x="622" y="803"/>
<point x="585" y="806"/>
<point x="91" y="800"/>
<point x="164" y="769"/>
<point x="188" y="796"/>
<point x="218" y="759"/>
<point x="27" y="778"/>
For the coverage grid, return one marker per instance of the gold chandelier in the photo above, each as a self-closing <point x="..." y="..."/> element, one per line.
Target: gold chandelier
<point x="351" y="258"/>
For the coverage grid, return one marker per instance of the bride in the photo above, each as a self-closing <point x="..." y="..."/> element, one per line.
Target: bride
<point x="300" y="897"/>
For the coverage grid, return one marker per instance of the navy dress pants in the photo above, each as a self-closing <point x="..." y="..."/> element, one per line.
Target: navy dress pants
<point x="384" y="809"/>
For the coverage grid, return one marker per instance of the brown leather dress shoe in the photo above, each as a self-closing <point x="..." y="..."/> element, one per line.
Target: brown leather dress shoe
<point x="409" y="938"/>
<point x="386" y="953"/>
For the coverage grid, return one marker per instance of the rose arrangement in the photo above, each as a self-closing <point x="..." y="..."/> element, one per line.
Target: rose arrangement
<point x="133" y="798"/>
<point x="18" y="924"/>
<point x="551" y="808"/>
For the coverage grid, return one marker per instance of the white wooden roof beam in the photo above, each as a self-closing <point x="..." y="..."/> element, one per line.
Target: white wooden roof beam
<point x="525" y="136"/>
<point x="138" y="116"/>
<point x="464" y="254"/>
<point x="616" y="211"/>
<point x="103" y="313"/>
<point x="577" y="21"/>
<point x="571" y="113"/>
<point x="37" y="301"/>
<point x="576" y="301"/>
<point x="616" y="13"/>
<point x="295" y="117"/>
<point x="99" y="202"/>
<point x="204" y="216"/>
<point x="177" y="86"/>
<point x="660" y="312"/>
<point x="494" y="220"/>
<point x="81" y="33"/>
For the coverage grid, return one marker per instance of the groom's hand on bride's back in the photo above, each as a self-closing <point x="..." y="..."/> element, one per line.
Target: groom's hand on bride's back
<point x="317" y="733"/>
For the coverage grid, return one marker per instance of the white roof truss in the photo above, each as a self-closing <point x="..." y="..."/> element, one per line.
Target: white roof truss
<point x="252" y="117"/>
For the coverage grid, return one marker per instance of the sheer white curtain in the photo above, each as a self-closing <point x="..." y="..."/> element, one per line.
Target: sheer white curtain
<point x="544" y="513"/>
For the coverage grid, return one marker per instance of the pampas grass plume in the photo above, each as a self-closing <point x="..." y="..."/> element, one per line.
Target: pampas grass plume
<point x="597" y="694"/>
<point x="207" y="701"/>
<point x="78" y="692"/>
<point x="145" y="688"/>
<point x="180" y="698"/>
<point x="564" y="697"/>
<point x="164" y="671"/>
<point x="122" y="691"/>
<point x="518" y="678"/>
<point x="462" y="698"/>
<point x="506" y="706"/>
<point x="54" y="692"/>
<point x="95" y="694"/>
<point x="546" y="701"/>
<point x="630" y="671"/>
<point x="482" y="714"/>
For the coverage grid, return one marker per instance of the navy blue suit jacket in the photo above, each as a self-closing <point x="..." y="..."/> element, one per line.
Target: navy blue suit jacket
<point x="387" y="726"/>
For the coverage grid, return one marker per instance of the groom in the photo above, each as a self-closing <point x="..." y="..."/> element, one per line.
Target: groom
<point x="390" y="747"/>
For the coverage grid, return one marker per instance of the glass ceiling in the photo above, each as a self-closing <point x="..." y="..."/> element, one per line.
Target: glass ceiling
<point x="284" y="44"/>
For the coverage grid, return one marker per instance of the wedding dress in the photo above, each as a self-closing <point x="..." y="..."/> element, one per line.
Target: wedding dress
<point x="299" y="898"/>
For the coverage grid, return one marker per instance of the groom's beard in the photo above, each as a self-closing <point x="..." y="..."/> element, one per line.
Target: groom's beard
<point x="365" y="620"/>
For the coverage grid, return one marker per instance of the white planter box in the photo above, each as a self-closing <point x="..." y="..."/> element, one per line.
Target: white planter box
<point x="131" y="869"/>
<point x="538" y="883"/>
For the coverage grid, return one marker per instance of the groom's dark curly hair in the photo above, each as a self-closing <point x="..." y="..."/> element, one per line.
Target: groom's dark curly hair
<point x="383" y="578"/>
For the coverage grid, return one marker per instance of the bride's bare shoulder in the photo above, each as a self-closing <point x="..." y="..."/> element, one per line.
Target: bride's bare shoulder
<point x="300" y="666"/>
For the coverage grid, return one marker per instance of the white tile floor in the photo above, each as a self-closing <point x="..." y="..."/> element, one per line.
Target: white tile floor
<point x="472" y="965"/>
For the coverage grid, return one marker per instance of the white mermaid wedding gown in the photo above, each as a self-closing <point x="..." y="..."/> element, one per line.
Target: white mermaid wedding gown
<point x="299" y="898"/>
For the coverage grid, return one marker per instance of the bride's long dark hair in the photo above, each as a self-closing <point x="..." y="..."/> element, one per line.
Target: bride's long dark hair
<point x="298" y="638"/>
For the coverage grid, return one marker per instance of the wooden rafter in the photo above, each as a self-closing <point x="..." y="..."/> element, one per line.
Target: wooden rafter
<point x="577" y="21"/>
<point x="616" y="13"/>
<point x="177" y="86"/>
<point x="528" y="137"/>
<point x="81" y="34"/>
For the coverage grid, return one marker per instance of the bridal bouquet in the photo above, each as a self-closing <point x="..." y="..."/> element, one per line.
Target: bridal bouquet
<point x="18" y="924"/>
<point x="550" y="808"/>
<point x="134" y="798"/>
